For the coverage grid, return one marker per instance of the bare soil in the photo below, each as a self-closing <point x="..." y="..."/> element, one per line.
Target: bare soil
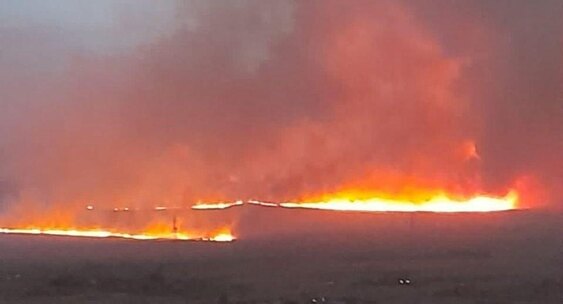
<point x="301" y="257"/>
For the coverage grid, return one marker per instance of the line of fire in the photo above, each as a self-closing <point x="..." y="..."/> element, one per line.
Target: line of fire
<point x="211" y="221"/>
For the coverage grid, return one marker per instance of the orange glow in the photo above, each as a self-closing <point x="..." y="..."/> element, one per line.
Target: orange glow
<point x="216" y="206"/>
<point x="436" y="203"/>
<point x="154" y="233"/>
<point x="469" y="150"/>
<point x="222" y="235"/>
<point x="411" y="197"/>
<point x="263" y="204"/>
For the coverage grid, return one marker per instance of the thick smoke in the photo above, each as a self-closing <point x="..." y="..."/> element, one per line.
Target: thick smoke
<point x="279" y="99"/>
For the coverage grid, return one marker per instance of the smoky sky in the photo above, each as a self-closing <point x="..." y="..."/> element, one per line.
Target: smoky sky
<point x="141" y="103"/>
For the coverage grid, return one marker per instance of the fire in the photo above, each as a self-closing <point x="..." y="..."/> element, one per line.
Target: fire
<point x="436" y="203"/>
<point x="216" y="206"/>
<point x="263" y="204"/>
<point x="409" y="199"/>
<point x="222" y="236"/>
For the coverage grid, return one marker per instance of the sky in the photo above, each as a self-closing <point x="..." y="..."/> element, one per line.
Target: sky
<point x="139" y="101"/>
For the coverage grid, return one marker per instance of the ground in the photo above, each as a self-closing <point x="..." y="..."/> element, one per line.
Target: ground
<point x="303" y="256"/>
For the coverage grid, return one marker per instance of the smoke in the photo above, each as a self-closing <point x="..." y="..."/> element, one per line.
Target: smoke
<point x="514" y="83"/>
<point x="278" y="99"/>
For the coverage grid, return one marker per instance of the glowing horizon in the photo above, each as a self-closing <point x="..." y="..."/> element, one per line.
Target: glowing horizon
<point x="223" y="236"/>
<point x="437" y="203"/>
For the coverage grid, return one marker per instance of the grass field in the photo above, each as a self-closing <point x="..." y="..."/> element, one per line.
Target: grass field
<point x="300" y="257"/>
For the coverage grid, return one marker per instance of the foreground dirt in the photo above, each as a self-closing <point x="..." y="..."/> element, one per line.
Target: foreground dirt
<point x="503" y="258"/>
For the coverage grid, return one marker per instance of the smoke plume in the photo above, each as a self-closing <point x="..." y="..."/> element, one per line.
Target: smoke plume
<point x="276" y="100"/>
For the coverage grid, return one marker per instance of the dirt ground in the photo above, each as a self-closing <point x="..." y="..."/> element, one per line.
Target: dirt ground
<point x="303" y="257"/>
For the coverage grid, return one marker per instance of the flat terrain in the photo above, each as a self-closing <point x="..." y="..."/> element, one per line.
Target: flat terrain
<point x="299" y="256"/>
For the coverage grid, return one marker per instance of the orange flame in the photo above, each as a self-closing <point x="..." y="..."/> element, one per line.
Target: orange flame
<point x="222" y="236"/>
<point x="216" y="206"/>
<point x="348" y="201"/>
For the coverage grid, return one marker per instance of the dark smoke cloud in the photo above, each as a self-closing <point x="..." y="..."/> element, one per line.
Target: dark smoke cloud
<point x="275" y="99"/>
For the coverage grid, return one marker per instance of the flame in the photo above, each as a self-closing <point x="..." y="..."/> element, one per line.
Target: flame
<point x="216" y="206"/>
<point x="223" y="237"/>
<point x="438" y="203"/>
<point x="150" y="234"/>
<point x="263" y="204"/>
<point x="410" y="199"/>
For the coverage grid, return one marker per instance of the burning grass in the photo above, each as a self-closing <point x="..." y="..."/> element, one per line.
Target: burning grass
<point x="195" y="224"/>
<point x="223" y="236"/>
<point x="437" y="203"/>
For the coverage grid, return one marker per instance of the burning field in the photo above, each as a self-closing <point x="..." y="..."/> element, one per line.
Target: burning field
<point x="185" y="225"/>
<point x="418" y="133"/>
<point x="344" y="257"/>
